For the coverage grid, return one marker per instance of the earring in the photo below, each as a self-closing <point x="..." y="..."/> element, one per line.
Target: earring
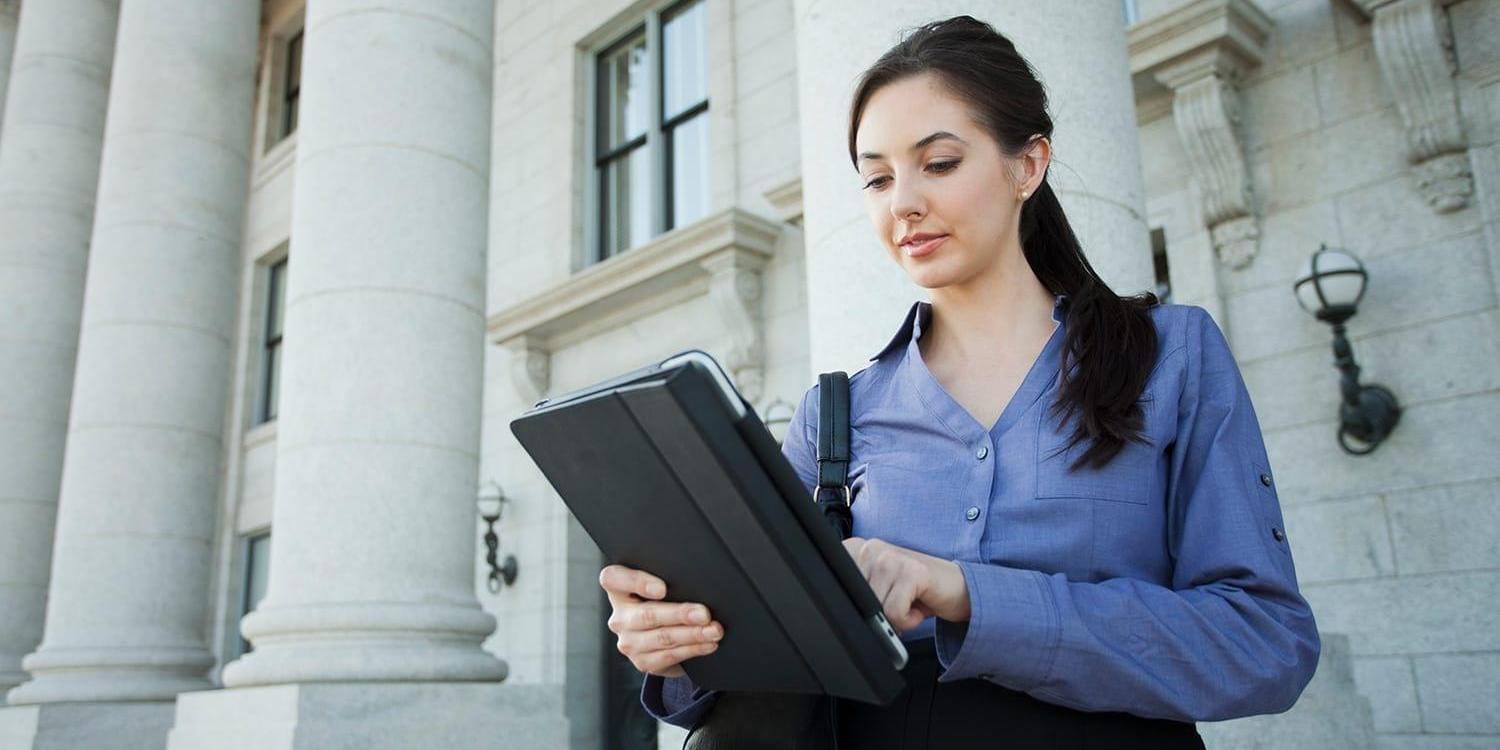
<point x="1024" y="195"/>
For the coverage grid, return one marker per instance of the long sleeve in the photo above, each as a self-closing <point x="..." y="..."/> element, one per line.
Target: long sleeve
<point x="1231" y="636"/>
<point x="678" y="700"/>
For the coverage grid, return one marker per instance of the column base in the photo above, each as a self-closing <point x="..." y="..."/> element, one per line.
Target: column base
<point x="64" y="726"/>
<point x="102" y="675"/>
<point x="373" y="715"/>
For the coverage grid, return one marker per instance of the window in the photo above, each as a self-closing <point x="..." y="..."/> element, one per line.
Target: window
<point x="257" y="571"/>
<point x="651" y="143"/>
<point x="291" y="85"/>
<point x="1132" y="13"/>
<point x="271" y="358"/>
<point x="1159" y="261"/>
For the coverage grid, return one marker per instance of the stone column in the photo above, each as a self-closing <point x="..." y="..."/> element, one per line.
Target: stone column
<point x="372" y="567"/>
<point x="49" y="170"/>
<point x="370" y="610"/>
<point x="1078" y="50"/>
<point x="140" y="486"/>
<point x="9" y="16"/>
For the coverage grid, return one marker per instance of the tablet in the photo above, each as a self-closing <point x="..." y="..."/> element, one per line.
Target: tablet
<point x="671" y="471"/>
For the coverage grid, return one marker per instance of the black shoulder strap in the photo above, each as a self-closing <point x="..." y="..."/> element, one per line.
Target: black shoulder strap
<point x="832" y="493"/>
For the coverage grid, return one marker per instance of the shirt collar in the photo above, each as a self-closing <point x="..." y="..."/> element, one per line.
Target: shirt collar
<point x="920" y="316"/>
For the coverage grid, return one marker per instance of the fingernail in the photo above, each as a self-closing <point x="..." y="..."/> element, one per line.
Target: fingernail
<point x="700" y="616"/>
<point x="711" y="633"/>
<point x="656" y="590"/>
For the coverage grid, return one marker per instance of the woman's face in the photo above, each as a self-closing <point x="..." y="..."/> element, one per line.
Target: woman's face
<point x="927" y="168"/>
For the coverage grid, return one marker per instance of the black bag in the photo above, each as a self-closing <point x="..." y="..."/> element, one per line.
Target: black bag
<point x="791" y="721"/>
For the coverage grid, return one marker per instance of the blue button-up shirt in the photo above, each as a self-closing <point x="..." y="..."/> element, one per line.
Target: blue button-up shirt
<point x="1161" y="584"/>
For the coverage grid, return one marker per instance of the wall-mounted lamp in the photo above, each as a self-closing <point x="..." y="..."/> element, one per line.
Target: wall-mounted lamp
<point x="778" y="416"/>
<point x="1330" y="287"/>
<point x="491" y="503"/>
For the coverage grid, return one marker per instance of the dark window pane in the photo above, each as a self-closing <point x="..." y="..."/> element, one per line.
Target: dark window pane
<point x="276" y="298"/>
<point x="625" y="93"/>
<point x="627" y="201"/>
<point x="275" y="313"/>
<point x="685" y="65"/>
<point x="1159" y="260"/>
<point x="273" y="381"/>
<point x="257" y="572"/>
<point x="292" y="85"/>
<point x="690" y="170"/>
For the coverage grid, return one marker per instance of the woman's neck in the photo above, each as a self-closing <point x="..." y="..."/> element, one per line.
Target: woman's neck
<point x="1005" y="309"/>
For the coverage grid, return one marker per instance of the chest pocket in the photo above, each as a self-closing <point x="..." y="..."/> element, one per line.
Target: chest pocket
<point x="1128" y="478"/>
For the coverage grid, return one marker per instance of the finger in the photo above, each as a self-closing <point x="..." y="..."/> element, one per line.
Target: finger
<point x="897" y="605"/>
<point x="625" y="580"/>
<point x="643" y="642"/>
<point x="652" y="615"/>
<point x="657" y="662"/>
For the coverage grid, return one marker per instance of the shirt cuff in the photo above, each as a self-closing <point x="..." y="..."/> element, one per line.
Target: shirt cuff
<point x="676" y="700"/>
<point x="1012" y="633"/>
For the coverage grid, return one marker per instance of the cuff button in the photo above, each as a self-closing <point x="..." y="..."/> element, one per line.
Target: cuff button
<point x="1278" y="534"/>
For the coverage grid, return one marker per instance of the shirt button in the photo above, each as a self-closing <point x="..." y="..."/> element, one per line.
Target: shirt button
<point x="972" y="513"/>
<point x="1265" y="479"/>
<point x="1278" y="534"/>
<point x="982" y="452"/>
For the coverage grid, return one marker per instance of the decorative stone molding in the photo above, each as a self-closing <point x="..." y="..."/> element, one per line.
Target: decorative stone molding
<point x="786" y="198"/>
<point x="734" y="287"/>
<point x="721" y="256"/>
<point x="1199" y="53"/>
<point x="1414" y="44"/>
<point x="530" y="368"/>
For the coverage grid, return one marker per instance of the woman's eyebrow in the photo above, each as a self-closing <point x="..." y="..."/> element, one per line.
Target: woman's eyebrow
<point x="938" y="136"/>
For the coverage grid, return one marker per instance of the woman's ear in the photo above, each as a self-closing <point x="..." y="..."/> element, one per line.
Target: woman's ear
<point x="1035" y="159"/>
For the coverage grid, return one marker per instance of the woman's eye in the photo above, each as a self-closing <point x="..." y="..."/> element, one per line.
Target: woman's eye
<point x="938" y="166"/>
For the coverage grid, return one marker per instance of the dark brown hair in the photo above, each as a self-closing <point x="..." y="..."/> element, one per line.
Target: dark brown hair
<point x="1110" y="344"/>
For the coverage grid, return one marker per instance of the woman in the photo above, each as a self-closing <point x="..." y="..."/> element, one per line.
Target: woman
<point x="1062" y="496"/>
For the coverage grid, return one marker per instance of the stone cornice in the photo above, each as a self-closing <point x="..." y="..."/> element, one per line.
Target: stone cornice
<point x="1234" y="31"/>
<point x="786" y="198"/>
<point x="721" y="256"/>
<point x="1199" y="52"/>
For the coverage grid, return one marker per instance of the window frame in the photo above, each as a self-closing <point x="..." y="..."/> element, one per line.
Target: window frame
<point x="291" y="91"/>
<point x="275" y="276"/>
<point x="247" y="568"/>
<point x="656" y="140"/>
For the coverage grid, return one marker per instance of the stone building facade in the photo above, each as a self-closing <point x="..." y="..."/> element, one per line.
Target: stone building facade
<point x="261" y="349"/>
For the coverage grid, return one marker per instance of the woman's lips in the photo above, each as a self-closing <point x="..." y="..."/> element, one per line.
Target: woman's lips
<point x="924" y="248"/>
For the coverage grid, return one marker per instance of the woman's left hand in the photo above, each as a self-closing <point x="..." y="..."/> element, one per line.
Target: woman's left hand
<point x="911" y="586"/>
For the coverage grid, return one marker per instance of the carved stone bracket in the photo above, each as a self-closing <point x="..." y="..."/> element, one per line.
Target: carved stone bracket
<point x="720" y="256"/>
<point x="530" y="368"/>
<point x="1415" y="46"/>
<point x="734" y="287"/>
<point x="1200" y="52"/>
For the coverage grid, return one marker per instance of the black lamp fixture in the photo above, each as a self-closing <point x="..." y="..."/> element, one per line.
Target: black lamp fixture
<point x="1330" y="287"/>
<point x="491" y="503"/>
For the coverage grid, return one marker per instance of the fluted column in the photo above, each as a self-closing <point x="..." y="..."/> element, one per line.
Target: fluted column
<point x="372" y="571"/>
<point x="9" y="16"/>
<point x="128" y="596"/>
<point x="1079" y="51"/>
<point x="49" y="170"/>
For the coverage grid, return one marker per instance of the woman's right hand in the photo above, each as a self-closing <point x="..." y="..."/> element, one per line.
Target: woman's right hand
<point x="656" y="636"/>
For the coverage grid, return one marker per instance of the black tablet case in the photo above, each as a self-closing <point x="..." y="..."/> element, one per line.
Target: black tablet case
<point x="664" y="479"/>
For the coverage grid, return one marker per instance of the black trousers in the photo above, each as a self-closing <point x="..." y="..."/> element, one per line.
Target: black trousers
<point x="980" y="714"/>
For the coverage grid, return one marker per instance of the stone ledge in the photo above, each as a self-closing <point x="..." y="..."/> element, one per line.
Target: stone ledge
<point x="376" y="716"/>
<point x="721" y="255"/>
<point x="135" y="725"/>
